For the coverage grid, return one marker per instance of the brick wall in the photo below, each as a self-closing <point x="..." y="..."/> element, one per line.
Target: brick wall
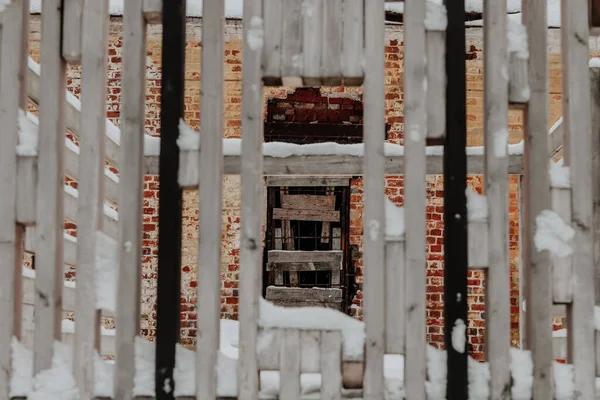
<point x="345" y="98"/>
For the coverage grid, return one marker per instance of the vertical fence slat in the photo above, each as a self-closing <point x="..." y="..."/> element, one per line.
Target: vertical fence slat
<point x="353" y="42"/>
<point x="50" y="189"/>
<point x="374" y="210"/>
<point x="415" y="195"/>
<point x="595" y="97"/>
<point x="90" y="210"/>
<point x="14" y="26"/>
<point x="72" y="45"/>
<point x="496" y="189"/>
<point x="578" y="156"/>
<point x="331" y="365"/>
<point x="436" y="84"/>
<point x="395" y="276"/>
<point x="310" y="358"/>
<point x="312" y="42"/>
<point x="131" y="185"/>
<point x="169" y="196"/>
<point x="272" y="41"/>
<point x="289" y="372"/>
<point x="211" y="165"/>
<point x="251" y="209"/>
<point x="331" y="60"/>
<point x="291" y="42"/>
<point x="536" y="197"/>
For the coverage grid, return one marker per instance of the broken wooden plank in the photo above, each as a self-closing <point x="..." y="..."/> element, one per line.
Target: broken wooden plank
<point x="306" y="215"/>
<point x="307" y="201"/>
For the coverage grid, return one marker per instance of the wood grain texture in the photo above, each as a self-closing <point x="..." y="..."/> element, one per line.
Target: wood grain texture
<point x="211" y="165"/>
<point x="336" y="244"/>
<point x="307" y="181"/>
<point x="251" y="210"/>
<point x="273" y="21"/>
<point x="50" y="190"/>
<point x="518" y="83"/>
<point x="331" y="56"/>
<point x="299" y="256"/>
<point x="310" y="355"/>
<point x="306" y="215"/>
<point x="26" y="183"/>
<point x="314" y="165"/>
<point x="268" y="352"/>
<point x="291" y="43"/>
<point x="305" y="201"/>
<point x="313" y="24"/>
<point x="479" y="256"/>
<point x="595" y="97"/>
<point x="318" y="295"/>
<point x="353" y="42"/>
<point x="278" y="246"/>
<point x="496" y="190"/>
<point x="90" y="186"/>
<point x="73" y="32"/>
<point x="436" y="84"/>
<point x="131" y="181"/>
<point x="536" y="197"/>
<point x="395" y="281"/>
<point x="289" y="372"/>
<point x="415" y="114"/>
<point x="578" y="156"/>
<point x="331" y="365"/>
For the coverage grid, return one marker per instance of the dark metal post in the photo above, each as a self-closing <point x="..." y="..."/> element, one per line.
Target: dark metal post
<point x="455" y="202"/>
<point x="169" y="217"/>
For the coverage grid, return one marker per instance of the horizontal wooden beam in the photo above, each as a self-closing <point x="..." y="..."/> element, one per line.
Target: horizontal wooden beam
<point x="306" y="215"/>
<point x="316" y="295"/>
<point x="283" y="256"/>
<point x="333" y="165"/>
<point x="306" y="181"/>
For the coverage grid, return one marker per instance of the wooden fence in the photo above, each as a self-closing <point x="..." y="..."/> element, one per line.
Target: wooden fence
<point x="292" y="43"/>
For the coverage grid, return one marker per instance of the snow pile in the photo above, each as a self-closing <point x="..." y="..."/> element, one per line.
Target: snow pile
<point x="68" y="326"/>
<point x="560" y="176"/>
<point x="594" y="62"/>
<point x="479" y="380"/>
<point x="521" y="371"/>
<point x="514" y="7"/>
<point x="188" y="138"/>
<point x="393" y="375"/>
<point x="145" y="358"/>
<point x="553" y="234"/>
<point x="103" y="372"/>
<point x="56" y="383"/>
<point x="517" y="39"/>
<point x="256" y="33"/>
<point x="436" y="15"/>
<point x="564" y="386"/>
<point x="353" y="330"/>
<point x="459" y="340"/>
<point x="28" y="133"/>
<point x="435" y="385"/>
<point x="394" y="221"/>
<point x="477" y="206"/>
<point x="22" y="363"/>
<point x="107" y="260"/>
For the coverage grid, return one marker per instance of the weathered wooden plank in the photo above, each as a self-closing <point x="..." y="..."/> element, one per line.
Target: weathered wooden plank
<point x="316" y="295"/>
<point x="312" y="40"/>
<point x="306" y="266"/>
<point x="415" y="114"/>
<point x="289" y="373"/>
<point x="496" y="190"/>
<point x="72" y="31"/>
<point x="395" y="309"/>
<point x="562" y="267"/>
<point x="15" y="28"/>
<point x="331" y="56"/>
<point x="131" y="194"/>
<point x="278" y="246"/>
<point x="251" y="209"/>
<point x="578" y="156"/>
<point x="318" y="164"/>
<point x="211" y="165"/>
<point x="595" y="95"/>
<point x="518" y="88"/>
<point x="271" y="53"/>
<point x="26" y="181"/>
<point x="50" y="191"/>
<point x="305" y="201"/>
<point x="436" y="84"/>
<point x="536" y="197"/>
<point x="268" y="349"/>
<point x="328" y="256"/>
<point x="331" y="365"/>
<point x="152" y="10"/>
<point x="308" y="181"/>
<point x="69" y="245"/>
<point x="336" y="244"/>
<point x="334" y="305"/>
<point x="305" y="215"/>
<point x="291" y="44"/>
<point x="310" y="356"/>
<point x="478" y="244"/>
<point x="107" y="342"/>
<point x="90" y="186"/>
<point x="353" y="42"/>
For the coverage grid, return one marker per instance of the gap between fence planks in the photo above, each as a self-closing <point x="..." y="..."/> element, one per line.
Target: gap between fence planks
<point x="374" y="210"/>
<point x="251" y="208"/>
<point x="535" y="199"/>
<point x="210" y="214"/>
<point x="578" y="156"/>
